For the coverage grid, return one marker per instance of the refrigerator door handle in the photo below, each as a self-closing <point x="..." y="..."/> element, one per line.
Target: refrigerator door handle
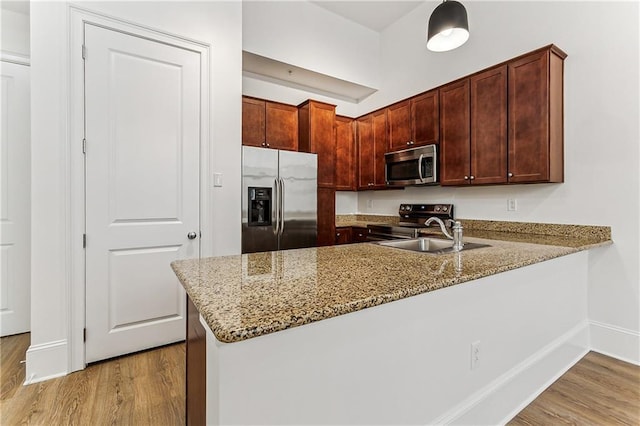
<point x="281" y="206"/>
<point x="276" y="207"/>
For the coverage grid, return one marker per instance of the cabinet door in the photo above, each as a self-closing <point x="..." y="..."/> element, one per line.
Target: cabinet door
<point x="425" y="118"/>
<point x="343" y="235"/>
<point x="380" y="147"/>
<point x="196" y="366"/>
<point x="323" y="142"/>
<point x="454" y="134"/>
<point x="365" y="152"/>
<point x="253" y="121"/>
<point x="345" y="154"/>
<point x="529" y="118"/>
<point x="489" y="126"/>
<point x="281" y="126"/>
<point x="326" y="216"/>
<point x="399" y="120"/>
<point x="359" y="234"/>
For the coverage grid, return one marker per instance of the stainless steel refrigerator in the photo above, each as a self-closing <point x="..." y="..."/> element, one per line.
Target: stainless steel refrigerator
<point x="279" y="199"/>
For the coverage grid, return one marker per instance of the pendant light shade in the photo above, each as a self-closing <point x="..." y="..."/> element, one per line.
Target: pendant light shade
<point x="448" y="27"/>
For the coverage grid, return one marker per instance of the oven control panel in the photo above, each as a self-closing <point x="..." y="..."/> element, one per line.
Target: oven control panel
<point x="444" y="211"/>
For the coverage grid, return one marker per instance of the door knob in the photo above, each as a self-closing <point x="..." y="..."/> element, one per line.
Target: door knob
<point x="192" y="235"/>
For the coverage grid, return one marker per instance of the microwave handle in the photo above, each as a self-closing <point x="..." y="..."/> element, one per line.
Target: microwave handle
<point x="420" y="168"/>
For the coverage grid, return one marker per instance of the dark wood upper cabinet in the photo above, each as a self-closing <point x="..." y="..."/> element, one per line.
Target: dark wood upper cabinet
<point x="317" y="135"/>
<point x="507" y="127"/>
<point x="372" y="145"/>
<point x="269" y="124"/>
<point x="380" y="147"/>
<point x="536" y="117"/>
<point x="399" y="124"/>
<point x="281" y="126"/>
<point x="425" y="118"/>
<point x="345" y="154"/>
<point x="489" y="127"/>
<point x="455" y="161"/>
<point x="365" y="152"/>
<point x="473" y="126"/>
<point x="253" y="126"/>
<point x="414" y="122"/>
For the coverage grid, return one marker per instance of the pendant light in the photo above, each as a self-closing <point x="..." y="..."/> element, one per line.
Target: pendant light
<point x="448" y="27"/>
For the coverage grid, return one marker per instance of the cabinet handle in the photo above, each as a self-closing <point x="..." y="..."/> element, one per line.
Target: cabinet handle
<point x="472" y="177"/>
<point x="466" y="178"/>
<point x="510" y="174"/>
<point x="263" y="144"/>
<point x="337" y="234"/>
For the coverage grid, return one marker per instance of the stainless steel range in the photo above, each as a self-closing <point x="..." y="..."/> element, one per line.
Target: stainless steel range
<point x="412" y="218"/>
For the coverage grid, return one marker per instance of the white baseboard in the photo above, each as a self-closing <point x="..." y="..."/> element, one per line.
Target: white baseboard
<point x="616" y="342"/>
<point x="505" y="397"/>
<point x="46" y="361"/>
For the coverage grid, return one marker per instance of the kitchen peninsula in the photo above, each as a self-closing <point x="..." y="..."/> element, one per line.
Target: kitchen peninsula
<point x="358" y="358"/>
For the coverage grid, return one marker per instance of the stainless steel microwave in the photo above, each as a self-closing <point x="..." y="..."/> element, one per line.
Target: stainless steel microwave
<point x="414" y="166"/>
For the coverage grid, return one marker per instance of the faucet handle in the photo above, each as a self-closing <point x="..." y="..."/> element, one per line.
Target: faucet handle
<point x="451" y="223"/>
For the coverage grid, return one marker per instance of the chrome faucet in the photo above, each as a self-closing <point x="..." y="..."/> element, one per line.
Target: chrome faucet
<point x="456" y="228"/>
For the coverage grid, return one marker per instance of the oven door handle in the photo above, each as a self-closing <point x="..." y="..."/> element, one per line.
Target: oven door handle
<point x="387" y="237"/>
<point x="420" y="168"/>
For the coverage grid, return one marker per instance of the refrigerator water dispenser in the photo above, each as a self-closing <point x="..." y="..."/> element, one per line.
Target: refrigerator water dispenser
<point x="259" y="206"/>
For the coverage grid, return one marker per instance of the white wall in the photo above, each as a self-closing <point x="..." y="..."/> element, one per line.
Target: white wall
<point x="304" y="34"/>
<point x="218" y="24"/>
<point x="14" y="32"/>
<point x="601" y="131"/>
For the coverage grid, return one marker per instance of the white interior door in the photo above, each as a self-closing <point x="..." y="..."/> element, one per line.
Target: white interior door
<point x="142" y="188"/>
<point x="15" y="214"/>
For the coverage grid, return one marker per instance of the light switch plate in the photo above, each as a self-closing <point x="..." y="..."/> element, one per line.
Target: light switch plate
<point x="217" y="179"/>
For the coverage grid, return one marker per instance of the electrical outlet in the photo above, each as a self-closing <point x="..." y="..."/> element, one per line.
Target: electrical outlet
<point x="369" y="204"/>
<point x="475" y="354"/>
<point x="512" y="205"/>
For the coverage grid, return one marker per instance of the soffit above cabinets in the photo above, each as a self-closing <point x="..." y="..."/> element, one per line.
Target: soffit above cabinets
<point x="267" y="69"/>
<point x="375" y="15"/>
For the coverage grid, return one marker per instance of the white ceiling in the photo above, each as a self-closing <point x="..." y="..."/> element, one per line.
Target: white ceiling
<point x="376" y="15"/>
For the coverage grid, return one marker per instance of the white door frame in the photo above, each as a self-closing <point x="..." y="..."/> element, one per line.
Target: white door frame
<point x="75" y="218"/>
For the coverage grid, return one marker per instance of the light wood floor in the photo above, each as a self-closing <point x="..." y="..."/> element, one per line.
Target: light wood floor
<point x="598" y="390"/>
<point x="147" y="388"/>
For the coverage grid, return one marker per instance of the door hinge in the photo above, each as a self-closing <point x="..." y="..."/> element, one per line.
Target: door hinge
<point x="84" y="334"/>
<point x="84" y="146"/>
<point x="84" y="240"/>
<point x="84" y="52"/>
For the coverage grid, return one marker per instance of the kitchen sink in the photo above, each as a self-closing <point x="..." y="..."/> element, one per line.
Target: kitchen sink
<point x="428" y="245"/>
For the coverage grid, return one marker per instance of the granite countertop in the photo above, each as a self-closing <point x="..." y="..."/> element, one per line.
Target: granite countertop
<point x="245" y="296"/>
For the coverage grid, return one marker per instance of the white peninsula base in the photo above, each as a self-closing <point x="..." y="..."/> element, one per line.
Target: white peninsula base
<point x="409" y="361"/>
